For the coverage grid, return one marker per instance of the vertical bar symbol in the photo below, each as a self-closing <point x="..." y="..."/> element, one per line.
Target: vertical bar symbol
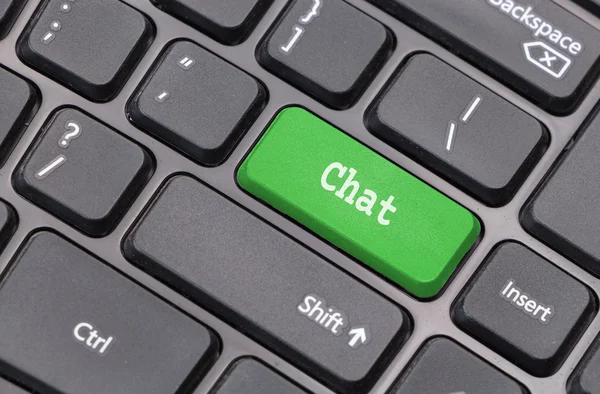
<point x="450" y="136"/>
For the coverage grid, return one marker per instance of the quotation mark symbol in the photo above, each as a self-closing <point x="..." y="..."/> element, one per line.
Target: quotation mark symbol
<point x="186" y="63"/>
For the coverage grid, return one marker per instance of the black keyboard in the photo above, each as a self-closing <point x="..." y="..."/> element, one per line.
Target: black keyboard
<point x="299" y="196"/>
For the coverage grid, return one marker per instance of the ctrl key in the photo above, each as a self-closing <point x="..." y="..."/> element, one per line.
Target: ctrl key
<point x="66" y="314"/>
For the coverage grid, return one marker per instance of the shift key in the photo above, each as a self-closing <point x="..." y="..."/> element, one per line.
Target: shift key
<point x="267" y="286"/>
<point x="535" y="46"/>
<point x="359" y="201"/>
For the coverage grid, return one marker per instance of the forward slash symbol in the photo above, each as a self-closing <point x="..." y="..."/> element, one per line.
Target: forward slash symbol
<point x="51" y="167"/>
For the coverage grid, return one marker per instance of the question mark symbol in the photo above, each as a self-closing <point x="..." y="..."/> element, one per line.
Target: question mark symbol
<point x="74" y="131"/>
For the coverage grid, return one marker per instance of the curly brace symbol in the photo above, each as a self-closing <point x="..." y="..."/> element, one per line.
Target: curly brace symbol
<point x="313" y="13"/>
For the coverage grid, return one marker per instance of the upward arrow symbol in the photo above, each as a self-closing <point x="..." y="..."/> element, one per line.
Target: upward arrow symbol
<point x="360" y="335"/>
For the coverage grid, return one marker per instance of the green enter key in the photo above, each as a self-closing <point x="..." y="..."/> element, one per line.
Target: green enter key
<point x="359" y="201"/>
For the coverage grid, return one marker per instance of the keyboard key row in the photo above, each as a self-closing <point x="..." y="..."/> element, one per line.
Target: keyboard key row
<point x="533" y="324"/>
<point x="172" y="104"/>
<point x="329" y="50"/>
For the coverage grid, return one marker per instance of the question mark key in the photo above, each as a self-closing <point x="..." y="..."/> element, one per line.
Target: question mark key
<point x="83" y="172"/>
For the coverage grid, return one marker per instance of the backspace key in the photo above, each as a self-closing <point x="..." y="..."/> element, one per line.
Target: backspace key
<point x="534" y="46"/>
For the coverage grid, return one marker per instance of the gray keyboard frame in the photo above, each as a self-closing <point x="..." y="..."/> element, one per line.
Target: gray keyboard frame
<point x="430" y="318"/>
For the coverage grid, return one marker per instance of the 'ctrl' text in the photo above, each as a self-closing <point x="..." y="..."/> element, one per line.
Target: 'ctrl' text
<point x="91" y="338"/>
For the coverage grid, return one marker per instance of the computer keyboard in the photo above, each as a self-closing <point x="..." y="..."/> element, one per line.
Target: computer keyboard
<point x="299" y="196"/>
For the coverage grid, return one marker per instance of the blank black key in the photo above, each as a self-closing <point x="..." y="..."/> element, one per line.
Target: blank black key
<point x="83" y="172"/>
<point x="526" y="309"/>
<point x="90" y="46"/>
<point x="9" y="11"/>
<point x="197" y="102"/>
<point x="9" y="388"/>
<point x="228" y="21"/>
<point x="443" y="367"/>
<point x="329" y="49"/>
<point x="248" y="376"/>
<point x="586" y="378"/>
<point x="564" y="212"/>
<point x="537" y="47"/>
<point x="18" y="104"/>
<point x="267" y="286"/>
<point x="8" y="222"/>
<point x="459" y="129"/>
<point x="72" y="325"/>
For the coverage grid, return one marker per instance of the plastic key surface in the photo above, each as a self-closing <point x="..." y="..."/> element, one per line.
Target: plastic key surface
<point x="267" y="286"/>
<point x="72" y="325"/>
<point x="359" y="201"/>
<point x="9" y="388"/>
<point x="443" y="367"/>
<point x="536" y="47"/>
<point x="228" y="21"/>
<point x="586" y="378"/>
<point x="83" y="172"/>
<point x="88" y="45"/>
<point x="18" y="104"/>
<point x="526" y="309"/>
<point x="459" y="129"/>
<point x="563" y="212"/>
<point x="249" y="376"/>
<point x="327" y="48"/>
<point x="197" y="102"/>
